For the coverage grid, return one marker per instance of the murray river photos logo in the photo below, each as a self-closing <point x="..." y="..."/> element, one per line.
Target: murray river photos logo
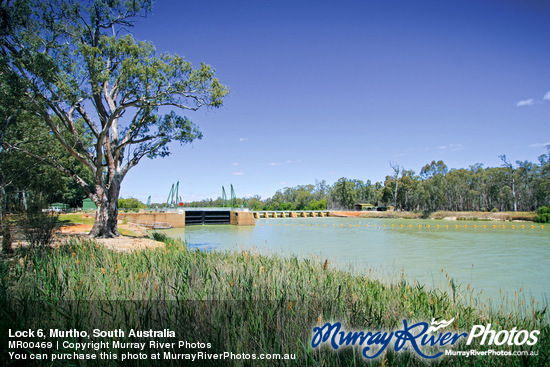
<point x="422" y="338"/>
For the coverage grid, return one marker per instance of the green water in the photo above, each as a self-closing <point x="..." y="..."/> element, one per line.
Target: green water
<point x="487" y="262"/>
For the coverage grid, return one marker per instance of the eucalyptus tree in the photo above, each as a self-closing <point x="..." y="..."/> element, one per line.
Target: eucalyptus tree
<point x="407" y="199"/>
<point x="512" y="178"/>
<point x="397" y="170"/>
<point x="343" y="193"/>
<point x="434" y="175"/>
<point x="80" y="63"/>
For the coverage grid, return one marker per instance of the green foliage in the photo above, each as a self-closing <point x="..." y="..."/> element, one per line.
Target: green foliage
<point x="159" y="236"/>
<point x="542" y="218"/>
<point x="39" y="227"/>
<point x="344" y="192"/>
<point x="543" y="215"/>
<point x="79" y="65"/>
<point x="287" y="206"/>
<point x="317" y="205"/>
<point x="426" y="214"/>
<point x="26" y="141"/>
<point x="130" y="203"/>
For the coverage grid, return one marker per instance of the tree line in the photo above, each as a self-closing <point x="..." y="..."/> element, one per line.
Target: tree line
<point x="519" y="186"/>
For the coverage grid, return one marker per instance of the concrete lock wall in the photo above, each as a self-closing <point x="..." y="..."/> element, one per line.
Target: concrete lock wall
<point x="242" y="219"/>
<point x="176" y="220"/>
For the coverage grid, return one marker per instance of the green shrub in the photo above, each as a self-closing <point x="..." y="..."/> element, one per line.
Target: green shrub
<point x="543" y="215"/>
<point x="159" y="236"/>
<point x="39" y="228"/>
<point x="426" y="214"/>
<point x="130" y="203"/>
<point x="494" y="210"/>
<point x="542" y="218"/>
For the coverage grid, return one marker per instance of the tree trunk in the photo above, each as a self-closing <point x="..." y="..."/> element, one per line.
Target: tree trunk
<point x="395" y="196"/>
<point x="514" y="193"/>
<point x="6" y="236"/>
<point x="105" y="225"/>
<point x="106" y="217"/>
<point x="4" y="220"/>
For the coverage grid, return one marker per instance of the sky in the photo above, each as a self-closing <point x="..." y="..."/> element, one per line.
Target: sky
<point x="328" y="89"/>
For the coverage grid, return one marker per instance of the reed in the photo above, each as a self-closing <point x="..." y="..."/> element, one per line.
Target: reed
<point x="242" y="302"/>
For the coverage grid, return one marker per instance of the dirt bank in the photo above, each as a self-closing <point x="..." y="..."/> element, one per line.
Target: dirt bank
<point x="137" y="241"/>
<point x="448" y="215"/>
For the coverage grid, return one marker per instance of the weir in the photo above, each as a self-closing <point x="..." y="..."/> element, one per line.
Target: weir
<point x="194" y="217"/>
<point x="291" y="213"/>
<point x="191" y="216"/>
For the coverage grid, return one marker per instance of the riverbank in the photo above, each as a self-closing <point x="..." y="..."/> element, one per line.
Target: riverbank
<point x="446" y="215"/>
<point x="241" y="302"/>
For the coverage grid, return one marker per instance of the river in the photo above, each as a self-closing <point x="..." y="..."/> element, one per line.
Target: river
<point x="486" y="262"/>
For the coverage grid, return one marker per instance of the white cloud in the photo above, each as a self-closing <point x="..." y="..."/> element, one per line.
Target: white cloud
<point x="274" y="164"/>
<point x="547" y="96"/>
<point x="238" y="173"/>
<point x="453" y="147"/>
<point x="526" y="102"/>
<point x="235" y="164"/>
<point x="539" y="145"/>
<point x="243" y="139"/>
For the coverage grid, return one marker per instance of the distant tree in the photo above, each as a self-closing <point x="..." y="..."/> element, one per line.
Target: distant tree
<point x="434" y="168"/>
<point x="434" y="185"/>
<point x="321" y="190"/>
<point x="130" y="203"/>
<point x="512" y="179"/>
<point x="254" y="202"/>
<point x="344" y="194"/>
<point x="78" y="61"/>
<point x="397" y="170"/>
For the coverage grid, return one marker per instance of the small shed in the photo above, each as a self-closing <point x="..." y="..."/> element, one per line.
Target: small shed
<point x="88" y="204"/>
<point x="360" y="206"/>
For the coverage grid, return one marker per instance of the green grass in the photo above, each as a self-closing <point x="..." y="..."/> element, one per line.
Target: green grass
<point x="241" y="302"/>
<point x="72" y="219"/>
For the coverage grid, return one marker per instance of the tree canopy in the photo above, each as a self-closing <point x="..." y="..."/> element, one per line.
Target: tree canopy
<point x="78" y="64"/>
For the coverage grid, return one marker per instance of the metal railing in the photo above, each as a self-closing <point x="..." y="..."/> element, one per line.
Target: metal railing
<point x="149" y="223"/>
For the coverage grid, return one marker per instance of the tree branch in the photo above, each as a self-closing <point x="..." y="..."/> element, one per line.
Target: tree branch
<point x="54" y="163"/>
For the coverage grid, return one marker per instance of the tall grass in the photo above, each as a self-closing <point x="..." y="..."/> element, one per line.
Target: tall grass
<point x="241" y="302"/>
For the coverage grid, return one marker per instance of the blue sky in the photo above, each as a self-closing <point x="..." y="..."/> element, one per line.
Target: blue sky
<point x="326" y="89"/>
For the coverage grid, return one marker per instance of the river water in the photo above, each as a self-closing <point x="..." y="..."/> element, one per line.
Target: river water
<point x="490" y="262"/>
